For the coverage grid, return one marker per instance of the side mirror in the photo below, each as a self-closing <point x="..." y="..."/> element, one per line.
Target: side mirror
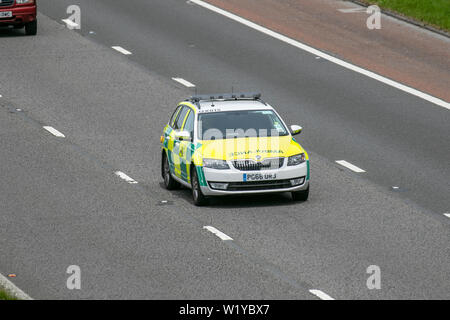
<point x="296" y="129"/>
<point x="183" y="136"/>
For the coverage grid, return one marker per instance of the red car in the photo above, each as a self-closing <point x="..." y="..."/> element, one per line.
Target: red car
<point x="19" y="14"/>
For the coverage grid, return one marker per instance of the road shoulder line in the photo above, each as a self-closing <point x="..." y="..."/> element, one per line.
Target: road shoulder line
<point x="323" y="55"/>
<point x="12" y="289"/>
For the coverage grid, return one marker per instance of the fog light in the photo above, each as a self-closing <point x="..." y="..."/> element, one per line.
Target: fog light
<point x="219" y="185"/>
<point x="298" y="181"/>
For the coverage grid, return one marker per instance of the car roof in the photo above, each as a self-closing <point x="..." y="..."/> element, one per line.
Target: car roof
<point x="230" y="105"/>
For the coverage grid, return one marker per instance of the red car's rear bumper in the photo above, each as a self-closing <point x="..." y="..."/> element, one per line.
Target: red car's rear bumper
<point x="20" y="15"/>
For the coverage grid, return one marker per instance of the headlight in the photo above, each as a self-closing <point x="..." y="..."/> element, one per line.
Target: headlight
<point x="215" y="164"/>
<point x="24" y="1"/>
<point x="297" y="159"/>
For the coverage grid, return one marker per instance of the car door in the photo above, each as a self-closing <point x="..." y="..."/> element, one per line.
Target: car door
<point x="178" y="168"/>
<point x="168" y="138"/>
<point x="185" y="149"/>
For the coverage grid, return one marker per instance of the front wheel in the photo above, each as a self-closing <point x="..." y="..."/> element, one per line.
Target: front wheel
<point x="300" y="195"/>
<point x="31" y="28"/>
<point x="197" y="195"/>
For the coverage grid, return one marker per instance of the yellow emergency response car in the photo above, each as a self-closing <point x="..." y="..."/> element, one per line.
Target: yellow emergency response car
<point x="227" y="144"/>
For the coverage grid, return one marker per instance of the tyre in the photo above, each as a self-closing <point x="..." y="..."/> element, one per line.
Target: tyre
<point x="197" y="195"/>
<point x="169" y="182"/>
<point x="300" y="195"/>
<point x="31" y="28"/>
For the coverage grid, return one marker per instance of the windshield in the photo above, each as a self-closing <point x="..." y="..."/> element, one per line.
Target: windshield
<point x="239" y="124"/>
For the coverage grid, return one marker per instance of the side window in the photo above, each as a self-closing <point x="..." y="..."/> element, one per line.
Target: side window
<point x="179" y="122"/>
<point x="189" y="125"/>
<point x="174" y="116"/>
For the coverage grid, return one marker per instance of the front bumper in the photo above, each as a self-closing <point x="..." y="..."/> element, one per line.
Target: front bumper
<point x="20" y="15"/>
<point x="235" y="179"/>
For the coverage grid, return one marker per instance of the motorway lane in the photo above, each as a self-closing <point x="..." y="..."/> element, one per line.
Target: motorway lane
<point x="399" y="139"/>
<point x="61" y="206"/>
<point x="113" y="110"/>
<point x="61" y="203"/>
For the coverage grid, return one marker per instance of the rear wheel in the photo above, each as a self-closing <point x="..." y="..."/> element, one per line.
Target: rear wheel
<point x="197" y="195"/>
<point x="300" y="195"/>
<point x="31" y="28"/>
<point x="169" y="182"/>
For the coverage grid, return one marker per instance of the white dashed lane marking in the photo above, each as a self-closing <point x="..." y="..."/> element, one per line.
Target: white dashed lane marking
<point x="54" y="132"/>
<point x="121" y="50"/>
<point x="123" y="176"/>
<point x="218" y="233"/>
<point x="447" y="215"/>
<point x="70" y="23"/>
<point x="320" y="294"/>
<point x="349" y="166"/>
<point x="184" y="82"/>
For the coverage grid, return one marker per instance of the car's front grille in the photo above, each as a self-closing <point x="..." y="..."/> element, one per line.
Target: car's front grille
<point x="259" y="185"/>
<point x="252" y="165"/>
<point x="6" y="3"/>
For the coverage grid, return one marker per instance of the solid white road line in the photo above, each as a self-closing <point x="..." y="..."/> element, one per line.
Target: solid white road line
<point x="12" y="289"/>
<point x="352" y="10"/>
<point x="447" y="215"/>
<point x="184" y="82"/>
<point x="70" y="23"/>
<point x="322" y="295"/>
<point x="121" y="50"/>
<point x="323" y="55"/>
<point x="54" y="132"/>
<point x="350" y="166"/>
<point x="125" y="177"/>
<point x="218" y="233"/>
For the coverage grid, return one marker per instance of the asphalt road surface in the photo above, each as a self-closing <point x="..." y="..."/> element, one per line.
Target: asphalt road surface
<point x="397" y="138"/>
<point x="62" y="204"/>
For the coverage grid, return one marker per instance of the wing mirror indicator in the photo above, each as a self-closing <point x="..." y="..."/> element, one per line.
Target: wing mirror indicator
<point x="183" y="136"/>
<point x="296" y="129"/>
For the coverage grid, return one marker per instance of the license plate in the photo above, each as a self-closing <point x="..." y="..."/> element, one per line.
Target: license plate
<point x="6" y="14"/>
<point x="259" y="176"/>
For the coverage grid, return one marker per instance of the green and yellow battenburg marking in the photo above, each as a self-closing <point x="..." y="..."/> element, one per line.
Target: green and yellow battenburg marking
<point x="180" y="165"/>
